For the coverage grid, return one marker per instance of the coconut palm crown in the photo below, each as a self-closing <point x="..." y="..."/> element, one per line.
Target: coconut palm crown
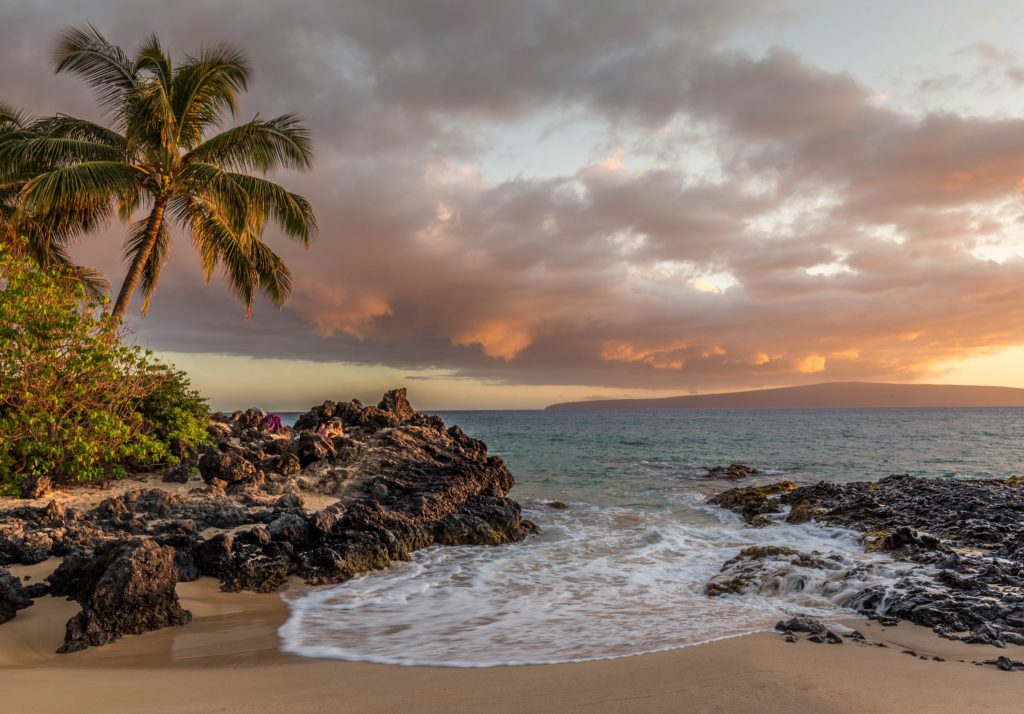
<point x="165" y="157"/>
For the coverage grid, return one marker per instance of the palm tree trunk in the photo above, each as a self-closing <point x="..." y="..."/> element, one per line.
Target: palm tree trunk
<point x="131" y="281"/>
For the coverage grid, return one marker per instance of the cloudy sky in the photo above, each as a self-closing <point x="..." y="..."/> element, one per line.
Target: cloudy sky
<point x="538" y="200"/>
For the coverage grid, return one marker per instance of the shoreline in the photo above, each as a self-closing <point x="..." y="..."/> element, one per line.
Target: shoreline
<point x="228" y="659"/>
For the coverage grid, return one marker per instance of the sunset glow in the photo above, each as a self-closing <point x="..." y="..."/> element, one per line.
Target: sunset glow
<point x="697" y="198"/>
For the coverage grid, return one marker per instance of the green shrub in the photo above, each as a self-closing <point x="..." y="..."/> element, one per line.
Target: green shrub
<point x="173" y="412"/>
<point x="76" y="404"/>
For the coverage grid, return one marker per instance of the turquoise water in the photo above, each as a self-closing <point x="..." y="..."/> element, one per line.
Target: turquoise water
<point x="622" y="571"/>
<point x="638" y="457"/>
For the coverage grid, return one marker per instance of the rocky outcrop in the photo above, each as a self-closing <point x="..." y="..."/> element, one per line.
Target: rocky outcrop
<point x="816" y="630"/>
<point x="964" y="539"/>
<point x="386" y="480"/>
<point x="754" y="503"/>
<point x="732" y="472"/>
<point x="12" y="596"/>
<point x="124" y="588"/>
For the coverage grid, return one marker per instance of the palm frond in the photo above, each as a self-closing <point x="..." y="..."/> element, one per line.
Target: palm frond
<point x="83" y="185"/>
<point x="33" y="154"/>
<point x="65" y="127"/>
<point x="262" y="199"/>
<point x="259" y="145"/>
<point x="219" y="189"/>
<point x="150" y="123"/>
<point x="243" y="198"/>
<point x="290" y="211"/>
<point x="248" y="263"/>
<point x="60" y="228"/>
<point x="151" y="58"/>
<point x="275" y="280"/>
<point x="53" y="256"/>
<point x="103" y="66"/>
<point x="205" y="86"/>
<point x="217" y="244"/>
<point x="128" y="204"/>
<point x="12" y="119"/>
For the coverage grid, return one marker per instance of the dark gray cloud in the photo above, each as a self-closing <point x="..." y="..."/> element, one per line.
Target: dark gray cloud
<point x="802" y="230"/>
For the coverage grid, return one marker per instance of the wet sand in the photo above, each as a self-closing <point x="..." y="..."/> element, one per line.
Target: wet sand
<point x="227" y="661"/>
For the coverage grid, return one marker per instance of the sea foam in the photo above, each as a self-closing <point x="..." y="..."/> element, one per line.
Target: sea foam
<point x="599" y="582"/>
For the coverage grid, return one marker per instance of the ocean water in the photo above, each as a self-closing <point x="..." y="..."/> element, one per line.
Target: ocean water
<point x="623" y="570"/>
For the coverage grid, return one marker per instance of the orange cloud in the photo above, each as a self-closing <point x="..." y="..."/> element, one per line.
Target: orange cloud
<point x="811" y="364"/>
<point x="333" y="310"/>
<point x="499" y="339"/>
<point x="658" y="357"/>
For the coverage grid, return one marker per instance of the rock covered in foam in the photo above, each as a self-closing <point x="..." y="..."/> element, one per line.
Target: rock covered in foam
<point x="963" y="539"/>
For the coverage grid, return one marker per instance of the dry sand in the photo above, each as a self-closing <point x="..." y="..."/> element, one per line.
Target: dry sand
<point x="227" y="661"/>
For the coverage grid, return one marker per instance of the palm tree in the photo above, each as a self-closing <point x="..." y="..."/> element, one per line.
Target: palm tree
<point x="161" y="158"/>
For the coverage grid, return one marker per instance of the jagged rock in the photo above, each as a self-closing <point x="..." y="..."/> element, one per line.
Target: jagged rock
<point x="229" y="467"/>
<point x="255" y="572"/>
<point x="218" y="430"/>
<point x="311" y="447"/>
<point x="290" y="528"/>
<point x="801" y="624"/>
<point x="732" y="472"/>
<point x="36" y="590"/>
<point x="324" y="521"/>
<point x="332" y="429"/>
<point x="284" y="464"/>
<point x="36" y="486"/>
<point x="396" y="402"/>
<point x="250" y="419"/>
<point x="178" y="474"/>
<point x="12" y="596"/>
<point x="1006" y="664"/>
<point x="775" y="569"/>
<point x="818" y="631"/>
<point x="753" y="502"/>
<point x="213" y="555"/>
<point x="967" y="535"/>
<point x="126" y="588"/>
<point x="289" y="500"/>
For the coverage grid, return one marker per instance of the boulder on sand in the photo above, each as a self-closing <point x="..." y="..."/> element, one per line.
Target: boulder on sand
<point x="127" y="588"/>
<point x="12" y="596"/>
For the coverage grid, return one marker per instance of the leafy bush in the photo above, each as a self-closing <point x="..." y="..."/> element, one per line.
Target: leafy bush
<point x="76" y="404"/>
<point x="173" y="412"/>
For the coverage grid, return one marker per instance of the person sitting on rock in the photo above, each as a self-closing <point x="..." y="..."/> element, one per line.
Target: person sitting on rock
<point x="332" y="428"/>
<point x="273" y="422"/>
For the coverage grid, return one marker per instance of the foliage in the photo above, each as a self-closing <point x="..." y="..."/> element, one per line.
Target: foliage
<point x="173" y="412"/>
<point x="162" y="157"/>
<point x="75" y="404"/>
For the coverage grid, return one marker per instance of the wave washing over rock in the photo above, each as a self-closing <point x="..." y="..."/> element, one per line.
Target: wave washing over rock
<point x="596" y="583"/>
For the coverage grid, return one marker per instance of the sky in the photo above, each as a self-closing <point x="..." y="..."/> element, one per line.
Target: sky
<point x="537" y="201"/>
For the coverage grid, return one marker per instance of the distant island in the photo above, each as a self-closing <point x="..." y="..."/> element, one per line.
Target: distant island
<point x="850" y="395"/>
